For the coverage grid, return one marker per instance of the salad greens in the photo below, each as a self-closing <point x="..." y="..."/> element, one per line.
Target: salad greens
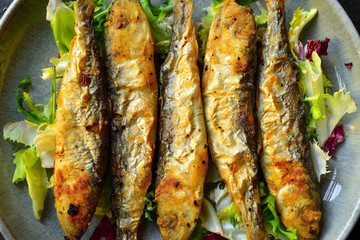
<point x="231" y="214"/>
<point x="219" y="214"/>
<point x="37" y="132"/>
<point x="62" y="20"/>
<point x="271" y="217"/>
<point x="160" y="20"/>
<point x="324" y="110"/>
<point x="300" y="19"/>
<point x="29" y="161"/>
<point x="150" y="205"/>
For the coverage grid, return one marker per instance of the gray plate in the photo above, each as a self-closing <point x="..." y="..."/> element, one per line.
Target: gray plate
<point x="26" y="44"/>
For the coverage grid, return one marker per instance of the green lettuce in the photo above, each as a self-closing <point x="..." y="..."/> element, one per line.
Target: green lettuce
<point x="326" y="109"/>
<point x="261" y="19"/>
<point x="271" y="216"/>
<point x="231" y="214"/>
<point x="60" y="64"/>
<point x="62" y="19"/>
<point x="100" y="12"/>
<point x="337" y="106"/>
<point x="150" y="205"/>
<point x="19" y="174"/>
<point x="28" y="166"/>
<point x="300" y="19"/>
<point x="160" y="25"/>
<point x="222" y="217"/>
<point x="312" y="82"/>
<point x="209" y="219"/>
<point x="39" y="113"/>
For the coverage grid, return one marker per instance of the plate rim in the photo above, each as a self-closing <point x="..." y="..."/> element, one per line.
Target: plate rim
<point x="354" y="35"/>
<point x="8" y="14"/>
<point x="356" y="38"/>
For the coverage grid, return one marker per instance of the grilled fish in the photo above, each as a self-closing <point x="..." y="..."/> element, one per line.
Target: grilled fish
<point x="132" y="88"/>
<point x="81" y="129"/>
<point x="229" y="103"/>
<point x="285" y="148"/>
<point x="183" y="156"/>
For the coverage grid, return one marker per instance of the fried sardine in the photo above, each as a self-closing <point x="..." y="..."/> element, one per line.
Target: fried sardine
<point x="183" y="156"/>
<point x="285" y="148"/>
<point x="130" y="74"/>
<point x="81" y="129"/>
<point x="229" y="104"/>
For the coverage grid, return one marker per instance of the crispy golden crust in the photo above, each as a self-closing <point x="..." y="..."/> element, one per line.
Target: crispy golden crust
<point x="229" y="99"/>
<point x="81" y="129"/>
<point x="285" y="151"/>
<point x="133" y="93"/>
<point x="183" y="145"/>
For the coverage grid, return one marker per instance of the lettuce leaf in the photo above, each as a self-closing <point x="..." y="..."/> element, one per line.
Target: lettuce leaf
<point x="337" y="106"/>
<point x="39" y="113"/>
<point x="271" y="216"/>
<point x="228" y="223"/>
<point x="300" y="19"/>
<point x="20" y="132"/>
<point x="319" y="46"/>
<point x="261" y="19"/>
<point x="50" y="183"/>
<point x="23" y="88"/>
<point x="244" y="2"/>
<point x="319" y="158"/>
<point x="100" y="12"/>
<point x="60" y="64"/>
<point x="160" y="25"/>
<point x="312" y="82"/>
<point x="19" y="174"/>
<point x="45" y="146"/>
<point x="150" y="205"/>
<point x="62" y="19"/>
<point x="28" y="166"/>
<point x="231" y="214"/>
<point x="209" y="217"/>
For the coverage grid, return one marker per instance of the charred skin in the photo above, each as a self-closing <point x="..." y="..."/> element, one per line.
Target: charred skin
<point x="229" y="103"/>
<point x="132" y="88"/>
<point x="285" y="149"/>
<point x="81" y="129"/>
<point x="183" y="157"/>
